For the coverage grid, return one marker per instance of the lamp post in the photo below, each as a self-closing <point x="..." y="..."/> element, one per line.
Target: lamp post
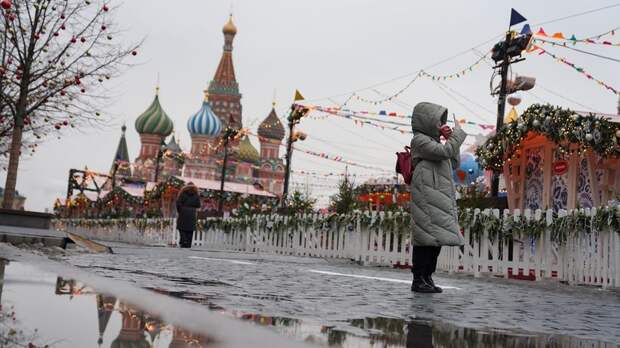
<point x="229" y="134"/>
<point x="160" y="154"/>
<point x="297" y="113"/>
<point x="503" y="54"/>
<point x="116" y="165"/>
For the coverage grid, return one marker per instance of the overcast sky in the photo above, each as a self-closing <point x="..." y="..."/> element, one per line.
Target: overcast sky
<point x="327" y="48"/>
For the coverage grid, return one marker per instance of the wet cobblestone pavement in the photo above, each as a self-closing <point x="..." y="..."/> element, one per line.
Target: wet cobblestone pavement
<point x="334" y="294"/>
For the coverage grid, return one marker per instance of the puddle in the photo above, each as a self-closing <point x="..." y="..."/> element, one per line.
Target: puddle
<point x="42" y="310"/>
<point x="415" y="333"/>
<point x="394" y="332"/>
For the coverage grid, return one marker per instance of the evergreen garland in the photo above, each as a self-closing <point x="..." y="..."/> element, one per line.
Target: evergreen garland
<point x="562" y="126"/>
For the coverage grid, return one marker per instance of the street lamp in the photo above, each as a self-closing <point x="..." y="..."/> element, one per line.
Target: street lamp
<point x="297" y="113"/>
<point x="160" y="154"/>
<point x="229" y="134"/>
<point x="504" y="54"/>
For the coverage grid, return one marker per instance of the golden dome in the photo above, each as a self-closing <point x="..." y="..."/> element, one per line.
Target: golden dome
<point x="229" y="27"/>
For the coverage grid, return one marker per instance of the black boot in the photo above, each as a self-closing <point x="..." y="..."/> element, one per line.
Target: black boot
<point x="429" y="280"/>
<point x="419" y="285"/>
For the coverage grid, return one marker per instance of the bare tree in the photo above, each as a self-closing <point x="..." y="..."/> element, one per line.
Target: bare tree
<point x="55" y="57"/>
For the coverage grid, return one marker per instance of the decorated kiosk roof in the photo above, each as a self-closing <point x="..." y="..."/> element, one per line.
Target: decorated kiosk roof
<point x="561" y="126"/>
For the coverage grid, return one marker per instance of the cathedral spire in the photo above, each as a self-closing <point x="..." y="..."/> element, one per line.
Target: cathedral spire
<point x="224" y="96"/>
<point x="224" y="82"/>
<point x="121" y="158"/>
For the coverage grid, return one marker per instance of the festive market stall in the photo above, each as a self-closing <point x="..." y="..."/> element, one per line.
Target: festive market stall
<point x="235" y="195"/>
<point x="121" y="202"/>
<point x="382" y="193"/>
<point x="556" y="158"/>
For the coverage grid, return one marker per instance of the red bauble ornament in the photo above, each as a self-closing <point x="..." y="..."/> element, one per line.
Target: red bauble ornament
<point x="134" y="53"/>
<point x="65" y="122"/>
<point x="103" y="27"/>
<point x="106" y="8"/>
<point x="57" y="126"/>
<point x="73" y="40"/>
<point x="12" y="17"/>
<point x="63" y="27"/>
<point x="62" y="16"/>
<point x="56" y="34"/>
<point x="83" y="90"/>
<point x="83" y="40"/>
<point x="6" y="4"/>
<point x="63" y="93"/>
<point x="37" y="36"/>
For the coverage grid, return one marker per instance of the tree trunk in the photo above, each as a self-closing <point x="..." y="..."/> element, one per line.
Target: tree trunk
<point x="11" y="176"/>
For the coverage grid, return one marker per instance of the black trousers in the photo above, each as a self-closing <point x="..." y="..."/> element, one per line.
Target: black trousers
<point x="424" y="260"/>
<point x="186" y="238"/>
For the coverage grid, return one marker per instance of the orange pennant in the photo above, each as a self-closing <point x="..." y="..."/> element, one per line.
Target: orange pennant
<point x="558" y="36"/>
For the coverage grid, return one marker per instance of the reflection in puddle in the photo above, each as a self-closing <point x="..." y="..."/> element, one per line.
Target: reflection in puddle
<point x="44" y="310"/>
<point x="393" y="332"/>
<point x="40" y="309"/>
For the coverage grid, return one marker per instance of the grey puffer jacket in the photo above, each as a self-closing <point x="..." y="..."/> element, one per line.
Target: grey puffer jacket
<point x="433" y="206"/>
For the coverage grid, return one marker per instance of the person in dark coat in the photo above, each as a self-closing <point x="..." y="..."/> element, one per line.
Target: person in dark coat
<point x="188" y="202"/>
<point x="433" y="196"/>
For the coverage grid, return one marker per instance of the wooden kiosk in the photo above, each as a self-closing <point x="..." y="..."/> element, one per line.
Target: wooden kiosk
<point x="554" y="158"/>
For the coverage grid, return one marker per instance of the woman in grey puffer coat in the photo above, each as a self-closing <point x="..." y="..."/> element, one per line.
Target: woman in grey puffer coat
<point x="433" y="206"/>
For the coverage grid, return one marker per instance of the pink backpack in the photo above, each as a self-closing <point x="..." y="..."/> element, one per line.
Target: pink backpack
<point x="405" y="165"/>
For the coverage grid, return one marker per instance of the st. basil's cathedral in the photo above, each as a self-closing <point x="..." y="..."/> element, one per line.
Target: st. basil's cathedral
<point x="221" y="108"/>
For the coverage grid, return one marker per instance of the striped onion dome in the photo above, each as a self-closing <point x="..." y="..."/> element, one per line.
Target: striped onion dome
<point x="247" y="151"/>
<point x="154" y="120"/>
<point x="205" y="121"/>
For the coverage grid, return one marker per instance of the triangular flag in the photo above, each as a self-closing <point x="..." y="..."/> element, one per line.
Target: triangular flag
<point x="526" y="30"/>
<point x="516" y="17"/>
<point x="558" y="36"/>
<point x="533" y="48"/>
<point x="512" y="116"/>
<point x="541" y="32"/>
<point x="298" y="95"/>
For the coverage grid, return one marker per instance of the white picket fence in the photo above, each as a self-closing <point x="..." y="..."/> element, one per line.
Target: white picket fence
<point x="148" y="232"/>
<point x="587" y="257"/>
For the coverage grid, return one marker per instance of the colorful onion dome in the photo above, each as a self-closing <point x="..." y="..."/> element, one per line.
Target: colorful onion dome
<point x="271" y="127"/>
<point x="229" y="27"/>
<point x="154" y="120"/>
<point x="247" y="151"/>
<point x="205" y="121"/>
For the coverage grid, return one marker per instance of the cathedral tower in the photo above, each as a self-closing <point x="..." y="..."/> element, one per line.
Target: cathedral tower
<point x="224" y="89"/>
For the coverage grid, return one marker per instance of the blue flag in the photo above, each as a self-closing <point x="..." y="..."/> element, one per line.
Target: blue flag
<point x="516" y="17"/>
<point x="526" y="30"/>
